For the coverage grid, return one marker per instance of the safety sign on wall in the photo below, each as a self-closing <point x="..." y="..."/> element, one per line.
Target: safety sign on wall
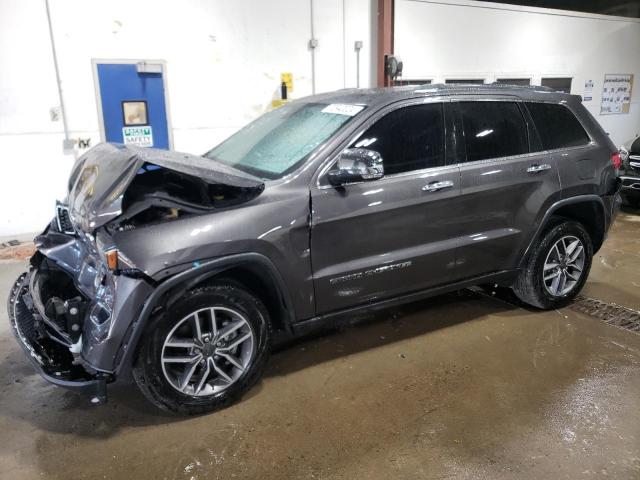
<point x="589" y="85"/>
<point x="616" y="93"/>
<point x="138" y="136"/>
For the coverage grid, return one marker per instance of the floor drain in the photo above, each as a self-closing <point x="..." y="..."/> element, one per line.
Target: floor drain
<point x="610" y="313"/>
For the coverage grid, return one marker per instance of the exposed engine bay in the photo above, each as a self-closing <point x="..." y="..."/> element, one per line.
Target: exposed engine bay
<point x="63" y="304"/>
<point x="128" y="187"/>
<point x="157" y="195"/>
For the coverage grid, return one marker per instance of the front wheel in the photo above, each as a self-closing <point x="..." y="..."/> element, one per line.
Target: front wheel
<point x="557" y="268"/>
<point x="206" y="350"/>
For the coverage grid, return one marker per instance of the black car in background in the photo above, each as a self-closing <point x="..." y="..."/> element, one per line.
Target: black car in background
<point x="630" y="173"/>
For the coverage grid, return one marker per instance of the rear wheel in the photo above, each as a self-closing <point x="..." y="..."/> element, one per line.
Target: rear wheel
<point x="557" y="268"/>
<point x="204" y="351"/>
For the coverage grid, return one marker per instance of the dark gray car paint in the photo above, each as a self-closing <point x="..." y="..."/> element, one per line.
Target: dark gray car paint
<point x="311" y="234"/>
<point x="171" y="289"/>
<point x="493" y="235"/>
<point x="403" y="233"/>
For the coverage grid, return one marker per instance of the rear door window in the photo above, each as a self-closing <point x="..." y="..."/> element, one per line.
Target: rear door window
<point x="409" y="138"/>
<point x="557" y="125"/>
<point x="493" y="129"/>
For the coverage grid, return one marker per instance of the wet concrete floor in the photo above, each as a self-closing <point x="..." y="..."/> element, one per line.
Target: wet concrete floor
<point x="460" y="386"/>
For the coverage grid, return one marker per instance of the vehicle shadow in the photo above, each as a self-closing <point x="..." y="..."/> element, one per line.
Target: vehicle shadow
<point x="25" y="397"/>
<point x="369" y="331"/>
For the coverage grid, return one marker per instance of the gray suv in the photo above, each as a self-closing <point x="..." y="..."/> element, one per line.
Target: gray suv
<point x="185" y="270"/>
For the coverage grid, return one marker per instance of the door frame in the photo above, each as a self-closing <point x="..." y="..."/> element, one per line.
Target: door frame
<point x="358" y="129"/>
<point x="122" y="61"/>
<point x="317" y="186"/>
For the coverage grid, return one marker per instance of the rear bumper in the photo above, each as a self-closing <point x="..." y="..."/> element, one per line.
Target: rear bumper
<point x="51" y="359"/>
<point x="611" y="204"/>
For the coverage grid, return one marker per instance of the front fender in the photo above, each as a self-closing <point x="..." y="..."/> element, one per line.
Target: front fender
<point x="173" y="287"/>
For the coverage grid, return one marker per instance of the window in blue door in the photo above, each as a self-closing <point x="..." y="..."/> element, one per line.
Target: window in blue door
<point x="133" y="105"/>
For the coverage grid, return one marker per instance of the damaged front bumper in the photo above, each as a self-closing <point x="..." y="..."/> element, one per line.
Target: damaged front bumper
<point x="72" y="316"/>
<point x="51" y="358"/>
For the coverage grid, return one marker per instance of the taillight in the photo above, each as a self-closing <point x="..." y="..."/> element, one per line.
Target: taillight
<point x="616" y="160"/>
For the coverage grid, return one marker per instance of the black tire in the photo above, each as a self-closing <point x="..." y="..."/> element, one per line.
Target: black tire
<point x="148" y="368"/>
<point x="530" y="286"/>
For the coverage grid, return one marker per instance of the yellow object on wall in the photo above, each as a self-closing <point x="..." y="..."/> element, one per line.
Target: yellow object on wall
<point x="287" y="78"/>
<point x="277" y="103"/>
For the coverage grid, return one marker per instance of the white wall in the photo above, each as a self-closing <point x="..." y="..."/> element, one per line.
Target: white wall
<point x="224" y="59"/>
<point x="449" y="39"/>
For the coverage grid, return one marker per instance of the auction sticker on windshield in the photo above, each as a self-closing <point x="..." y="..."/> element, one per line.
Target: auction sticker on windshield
<point x="343" y="109"/>
<point x="138" y="136"/>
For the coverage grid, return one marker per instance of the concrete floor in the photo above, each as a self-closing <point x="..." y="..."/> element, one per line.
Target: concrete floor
<point x="455" y="387"/>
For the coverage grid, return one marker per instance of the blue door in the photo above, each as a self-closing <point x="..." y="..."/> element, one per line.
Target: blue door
<point x="133" y="104"/>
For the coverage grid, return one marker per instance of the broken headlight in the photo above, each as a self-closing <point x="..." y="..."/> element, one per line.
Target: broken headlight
<point x="100" y="313"/>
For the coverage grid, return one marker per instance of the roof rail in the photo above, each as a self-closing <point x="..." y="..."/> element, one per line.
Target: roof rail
<point x="480" y="86"/>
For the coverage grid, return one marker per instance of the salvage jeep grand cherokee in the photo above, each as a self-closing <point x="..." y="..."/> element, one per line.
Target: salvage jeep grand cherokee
<point x="184" y="270"/>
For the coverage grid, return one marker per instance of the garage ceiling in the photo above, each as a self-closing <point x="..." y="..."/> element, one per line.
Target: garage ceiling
<point x="623" y="8"/>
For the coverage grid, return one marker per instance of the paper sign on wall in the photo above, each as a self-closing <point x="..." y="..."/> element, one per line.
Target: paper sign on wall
<point x="588" y="90"/>
<point x="138" y="136"/>
<point x="616" y="93"/>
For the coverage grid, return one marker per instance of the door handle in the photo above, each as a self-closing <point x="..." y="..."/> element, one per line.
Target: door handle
<point x="538" y="168"/>
<point x="435" y="186"/>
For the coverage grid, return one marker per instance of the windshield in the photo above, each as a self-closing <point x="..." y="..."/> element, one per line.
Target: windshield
<point x="279" y="141"/>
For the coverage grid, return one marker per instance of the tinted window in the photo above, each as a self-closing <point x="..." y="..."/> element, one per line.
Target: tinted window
<point x="410" y="138"/>
<point x="493" y="130"/>
<point x="557" y="126"/>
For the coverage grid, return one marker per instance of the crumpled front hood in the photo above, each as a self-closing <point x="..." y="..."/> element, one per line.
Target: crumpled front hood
<point x="100" y="177"/>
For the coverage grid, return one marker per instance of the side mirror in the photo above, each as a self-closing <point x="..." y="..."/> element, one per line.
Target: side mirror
<point x="356" y="165"/>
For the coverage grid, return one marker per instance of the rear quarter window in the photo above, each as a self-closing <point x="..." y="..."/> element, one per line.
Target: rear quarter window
<point x="557" y="126"/>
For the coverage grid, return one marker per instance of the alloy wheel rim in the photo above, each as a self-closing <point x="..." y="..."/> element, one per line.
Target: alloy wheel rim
<point x="207" y="351"/>
<point x="563" y="266"/>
